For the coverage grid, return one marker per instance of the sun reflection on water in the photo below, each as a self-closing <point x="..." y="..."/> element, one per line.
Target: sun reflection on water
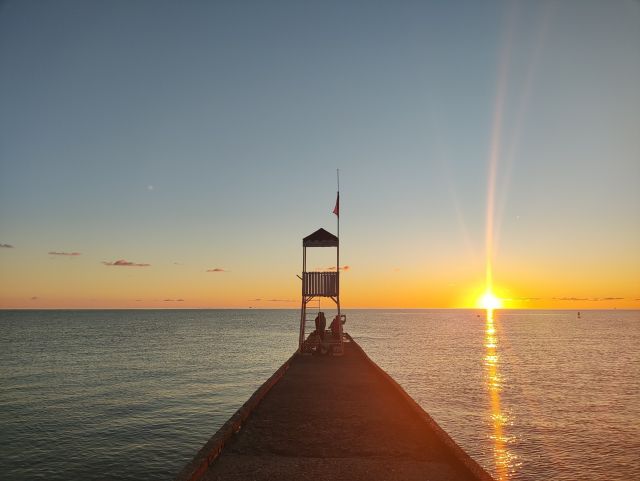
<point x="502" y="457"/>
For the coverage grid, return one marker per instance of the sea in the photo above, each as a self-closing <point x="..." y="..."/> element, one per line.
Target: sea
<point x="134" y="394"/>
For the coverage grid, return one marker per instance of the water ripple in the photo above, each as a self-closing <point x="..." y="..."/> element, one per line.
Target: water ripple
<point x="134" y="394"/>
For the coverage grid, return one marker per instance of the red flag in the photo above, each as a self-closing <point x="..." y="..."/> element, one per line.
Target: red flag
<point x="336" y="209"/>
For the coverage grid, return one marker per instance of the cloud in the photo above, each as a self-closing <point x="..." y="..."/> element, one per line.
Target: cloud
<point x="593" y="299"/>
<point x="173" y="300"/>
<point x="526" y="299"/>
<point x="123" y="263"/>
<point x="71" y="254"/>
<point x="333" y="268"/>
<point x="217" y="269"/>
<point x="6" y="246"/>
<point x="34" y="298"/>
<point x="259" y="299"/>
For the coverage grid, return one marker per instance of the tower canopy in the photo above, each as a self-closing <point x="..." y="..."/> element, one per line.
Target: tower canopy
<point x="320" y="238"/>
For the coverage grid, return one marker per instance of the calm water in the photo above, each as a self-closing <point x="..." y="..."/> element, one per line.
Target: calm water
<point x="134" y="394"/>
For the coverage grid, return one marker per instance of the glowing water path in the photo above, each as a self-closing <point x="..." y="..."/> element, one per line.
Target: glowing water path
<point x="501" y="455"/>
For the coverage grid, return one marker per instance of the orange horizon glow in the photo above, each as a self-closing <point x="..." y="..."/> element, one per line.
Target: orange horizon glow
<point x="126" y="288"/>
<point x="80" y="283"/>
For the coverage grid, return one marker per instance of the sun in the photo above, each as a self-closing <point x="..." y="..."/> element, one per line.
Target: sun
<point x="490" y="301"/>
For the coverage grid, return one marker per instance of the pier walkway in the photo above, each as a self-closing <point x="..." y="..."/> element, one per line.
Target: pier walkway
<point x="334" y="418"/>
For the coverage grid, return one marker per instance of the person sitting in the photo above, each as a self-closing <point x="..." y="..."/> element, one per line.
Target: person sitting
<point x="321" y="324"/>
<point x="317" y="322"/>
<point x="335" y="327"/>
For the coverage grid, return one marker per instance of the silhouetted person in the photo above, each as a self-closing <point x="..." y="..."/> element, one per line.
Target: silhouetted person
<point x="321" y="324"/>
<point x="335" y="327"/>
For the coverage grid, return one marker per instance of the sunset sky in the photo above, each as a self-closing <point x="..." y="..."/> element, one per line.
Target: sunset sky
<point x="174" y="153"/>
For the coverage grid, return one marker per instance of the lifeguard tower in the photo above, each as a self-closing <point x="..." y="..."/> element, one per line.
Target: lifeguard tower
<point x="316" y="285"/>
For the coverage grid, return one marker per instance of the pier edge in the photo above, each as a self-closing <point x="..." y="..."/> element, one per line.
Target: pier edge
<point x="199" y="465"/>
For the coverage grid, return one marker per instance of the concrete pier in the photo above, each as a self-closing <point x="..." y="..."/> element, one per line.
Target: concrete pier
<point x="331" y="418"/>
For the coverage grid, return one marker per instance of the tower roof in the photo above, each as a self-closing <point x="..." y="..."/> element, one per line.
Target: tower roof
<point x="320" y="238"/>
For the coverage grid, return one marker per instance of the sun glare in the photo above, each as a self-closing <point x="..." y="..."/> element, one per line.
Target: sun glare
<point x="490" y="301"/>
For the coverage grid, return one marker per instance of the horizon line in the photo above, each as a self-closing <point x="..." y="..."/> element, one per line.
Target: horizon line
<point x="297" y="309"/>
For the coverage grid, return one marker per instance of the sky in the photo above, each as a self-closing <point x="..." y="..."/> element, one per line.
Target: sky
<point x="174" y="153"/>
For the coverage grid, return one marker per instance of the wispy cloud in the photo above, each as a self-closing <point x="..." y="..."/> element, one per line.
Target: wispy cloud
<point x="333" y="268"/>
<point x="173" y="300"/>
<point x="34" y="298"/>
<point x="70" y="254"/>
<point x="217" y="269"/>
<point x="259" y="299"/>
<point x="124" y="263"/>
<point x="6" y="246"/>
<point x="594" y="299"/>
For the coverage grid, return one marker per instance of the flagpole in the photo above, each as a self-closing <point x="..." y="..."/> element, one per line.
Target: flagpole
<point x="338" y="248"/>
<point x="338" y="177"/>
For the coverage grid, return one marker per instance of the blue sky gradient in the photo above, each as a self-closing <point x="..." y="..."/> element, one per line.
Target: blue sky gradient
<point x="208" y="133"/>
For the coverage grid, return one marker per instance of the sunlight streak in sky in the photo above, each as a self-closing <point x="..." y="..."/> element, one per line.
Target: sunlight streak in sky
<point x="443" y="158"/>
<point x="495" y="152"/>
<point x="520" y="116"/>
